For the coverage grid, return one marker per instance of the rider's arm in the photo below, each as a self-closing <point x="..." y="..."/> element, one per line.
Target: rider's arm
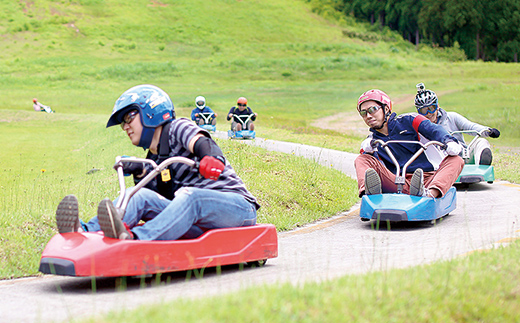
<point x="250" y="112"/>
<point x="212" y="161"/>
<point x="431" y="130"/>
<point x="193" y="112"/>
<point x="230" y="113"/>
<point x="461" y="123"/>
<point x="204" y="146"/>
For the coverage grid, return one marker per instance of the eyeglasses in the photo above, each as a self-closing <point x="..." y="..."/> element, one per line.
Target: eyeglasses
<point x="129" y="117"/>
<point x="373" y="109"/>
<point x="425" y="110"/>
<point x="241" y="104"/>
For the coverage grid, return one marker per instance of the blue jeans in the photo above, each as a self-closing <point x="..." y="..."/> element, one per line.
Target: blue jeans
<point x="192" y="212"/>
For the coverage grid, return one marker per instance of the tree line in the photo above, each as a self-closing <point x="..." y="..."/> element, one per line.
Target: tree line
<point x="484" y="29"/>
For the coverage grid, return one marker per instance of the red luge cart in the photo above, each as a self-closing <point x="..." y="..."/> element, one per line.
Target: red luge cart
<point x="91" y="254"/>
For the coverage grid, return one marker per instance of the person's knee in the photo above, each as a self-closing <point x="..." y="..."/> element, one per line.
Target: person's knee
<point x="456" y="161"/>
<point x="363" y="159"/>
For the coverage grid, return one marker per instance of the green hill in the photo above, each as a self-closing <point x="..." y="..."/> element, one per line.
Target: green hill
<point x="79" y="55"/>
<point x="293" y="64"/>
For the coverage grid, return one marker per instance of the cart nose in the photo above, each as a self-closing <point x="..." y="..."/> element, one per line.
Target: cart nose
<point x="390" y="215"/>
<point x="57" y="266"/>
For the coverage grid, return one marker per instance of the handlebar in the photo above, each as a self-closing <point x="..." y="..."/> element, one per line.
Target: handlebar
<point x="206" y="116"/>
<point x="123" y="199"/>
<point x="239" y="118"/>
<point x="479" y="133"/>
<point x="467" y="147"/>
<point x="400" y="180"/>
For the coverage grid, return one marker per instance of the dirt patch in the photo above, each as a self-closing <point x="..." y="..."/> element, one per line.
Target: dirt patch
<point x="350" y="122"/>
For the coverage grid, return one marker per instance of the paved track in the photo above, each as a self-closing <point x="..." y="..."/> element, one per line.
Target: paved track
<point x="486" y="216"/>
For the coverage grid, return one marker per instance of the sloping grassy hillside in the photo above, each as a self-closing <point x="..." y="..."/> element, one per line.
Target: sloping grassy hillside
<point x="79" y="55"/>
<point x="293" y="65"/>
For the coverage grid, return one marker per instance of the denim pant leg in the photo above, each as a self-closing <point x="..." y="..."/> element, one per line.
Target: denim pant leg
<point x="144" y="205"/>
<point x="205" y="208"/>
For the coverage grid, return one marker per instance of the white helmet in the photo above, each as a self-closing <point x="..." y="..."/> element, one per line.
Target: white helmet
<point x="424" y="97"/>
<point x="200" y="102"/>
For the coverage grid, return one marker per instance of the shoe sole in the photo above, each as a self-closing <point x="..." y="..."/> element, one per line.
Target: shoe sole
<point x="416" y="183"/>
<point x="109" y="220"/>
<point x="372" y="182"/>
<point x="67" y="215"/>
<point x="486" y="157"/>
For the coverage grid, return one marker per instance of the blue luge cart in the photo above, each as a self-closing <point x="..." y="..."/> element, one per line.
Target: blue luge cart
<point x="399" y="207"/>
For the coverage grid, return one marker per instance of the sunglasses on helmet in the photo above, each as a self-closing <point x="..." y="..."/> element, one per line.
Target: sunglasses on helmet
<point x="129" y="117"/>
<point x="430" y="109"/>
<point x="373" y="109"/>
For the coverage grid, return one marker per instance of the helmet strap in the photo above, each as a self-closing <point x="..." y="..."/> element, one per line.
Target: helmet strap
<point x="146" y="137"/>
<point x="387" y="114"/>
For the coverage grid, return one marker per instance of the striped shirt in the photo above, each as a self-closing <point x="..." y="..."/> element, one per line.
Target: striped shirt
<point x="181" y="133"/>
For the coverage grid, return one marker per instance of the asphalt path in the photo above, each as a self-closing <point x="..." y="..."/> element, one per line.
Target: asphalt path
<point x="486" y="217"/>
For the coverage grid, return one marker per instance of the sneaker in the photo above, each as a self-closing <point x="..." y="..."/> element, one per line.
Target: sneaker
<point x="486" y="157"/>
<point x="110" y="221"/>
<point x="417" y="183"/>
<point x="372" y="182"/>
<point x="67" y="215"/>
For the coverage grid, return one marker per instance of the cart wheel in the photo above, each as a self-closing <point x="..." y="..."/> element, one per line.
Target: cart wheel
<point x="258" y="263"/>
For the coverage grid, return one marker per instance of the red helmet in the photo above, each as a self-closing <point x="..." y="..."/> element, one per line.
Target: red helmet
<point x="375" y="95"/>
<point x="242" y="100"/>
<point x="35" y="100"/>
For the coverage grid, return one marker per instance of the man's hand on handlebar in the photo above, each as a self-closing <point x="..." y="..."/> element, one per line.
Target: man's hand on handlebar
<point x="368" y="146"/>
<point x="137" y="169"/>
<point x="211" y="167"/>
<point x="453" y="148"/>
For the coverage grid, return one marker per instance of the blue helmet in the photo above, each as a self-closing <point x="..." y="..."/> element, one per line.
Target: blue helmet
<point x="154" y="105"/>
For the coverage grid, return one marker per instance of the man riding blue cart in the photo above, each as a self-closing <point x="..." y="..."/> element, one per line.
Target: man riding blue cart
<point x="203" y="115"/>
<point x="242" y="117"/>
<point x="430" y="174"/>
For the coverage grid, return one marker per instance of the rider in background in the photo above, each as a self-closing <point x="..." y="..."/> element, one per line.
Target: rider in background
<point x="201" y="107"/>
<point x="241" y="109"/>
<point x="433" y="172"/>
<point x="37" y="106"/>
<point x="427" y="105"/>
